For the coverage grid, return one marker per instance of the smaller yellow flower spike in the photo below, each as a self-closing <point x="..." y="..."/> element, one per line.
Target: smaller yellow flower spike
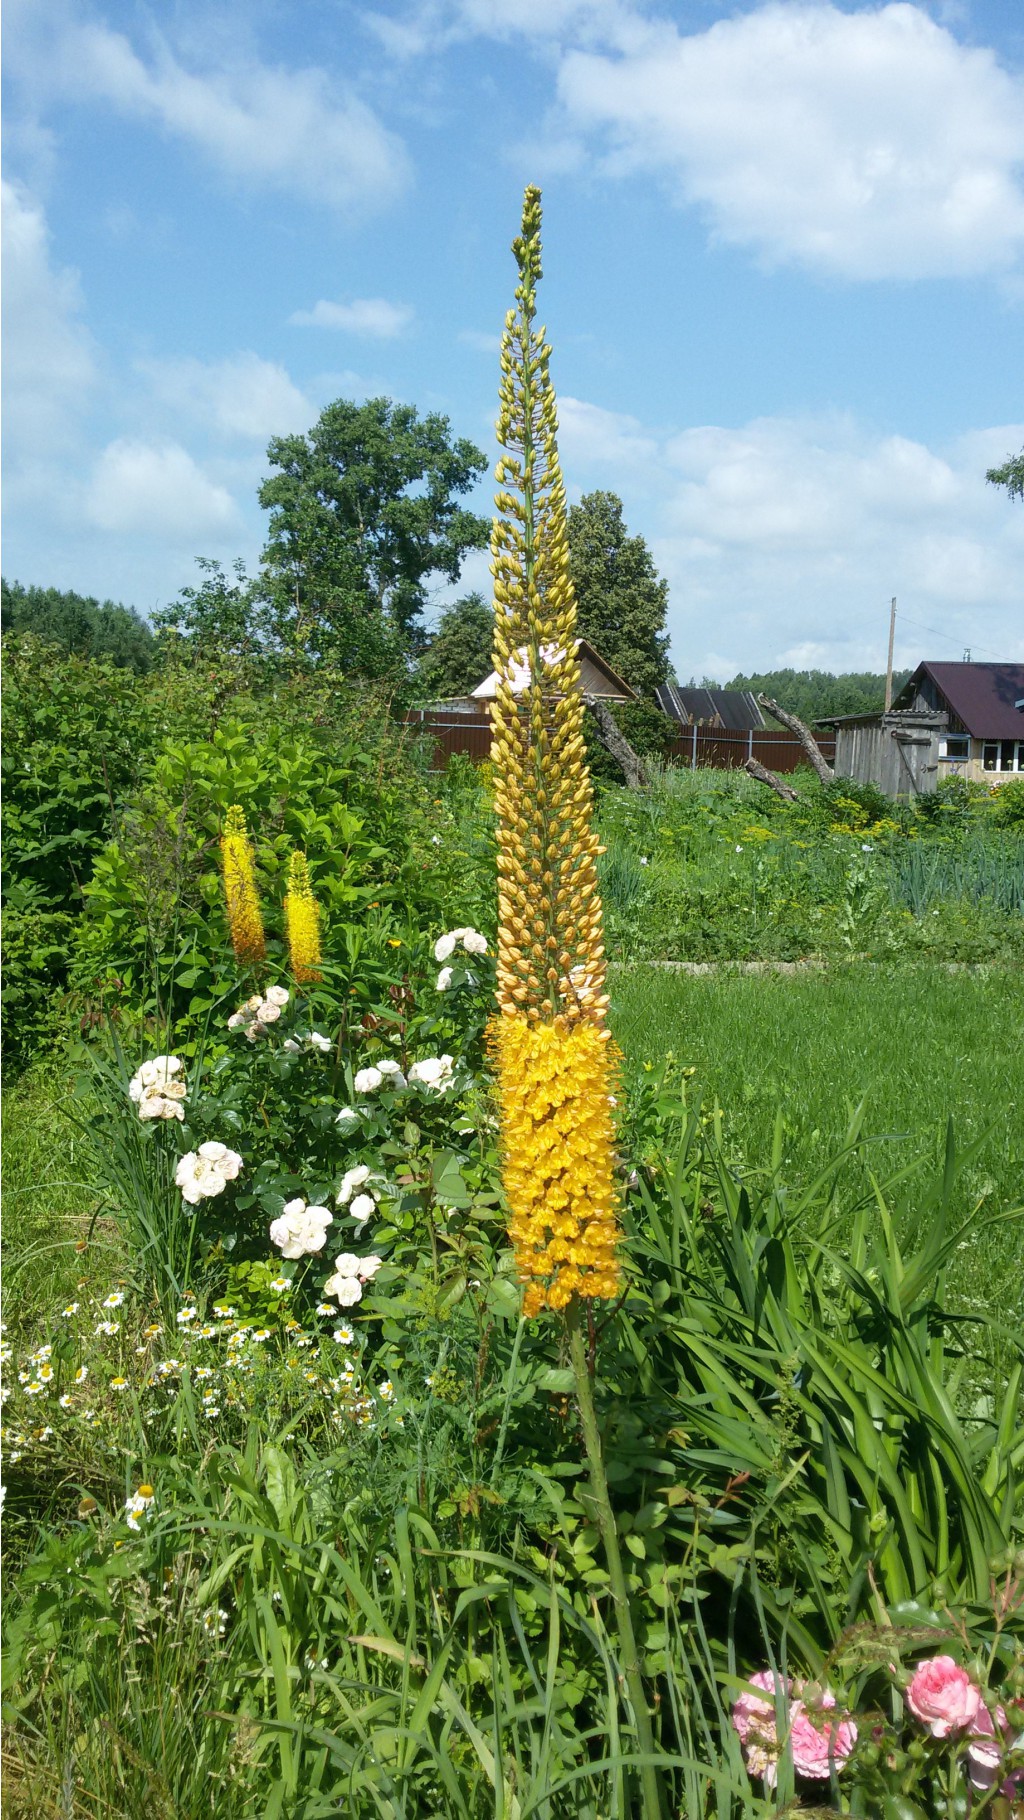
<point x="240" y="893"/>
<point x="558" y="1140"/>
<point x="302" y="921"/>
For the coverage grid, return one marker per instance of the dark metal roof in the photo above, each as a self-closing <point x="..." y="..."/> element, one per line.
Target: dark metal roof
<point x="982" y="696"/>
<point x="732" y="708"/>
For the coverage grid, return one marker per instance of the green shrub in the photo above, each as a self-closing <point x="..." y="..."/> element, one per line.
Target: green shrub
<point x="1008" y="804"/>
<point x="37" y="948"/>
<point x="74" y="733"/>
<point x="155" y="927"/>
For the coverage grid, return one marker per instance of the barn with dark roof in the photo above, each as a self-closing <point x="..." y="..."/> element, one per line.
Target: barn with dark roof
<point x="947" y="719"/>
<point x="984" y="709"/>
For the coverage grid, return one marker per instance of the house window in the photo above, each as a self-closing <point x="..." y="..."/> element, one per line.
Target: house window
<point x="1002" y="755"/>
<point x="955" y="746"/>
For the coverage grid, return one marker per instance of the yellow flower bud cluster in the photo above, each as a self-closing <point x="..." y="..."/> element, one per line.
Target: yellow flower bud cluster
<point x="549" y="909"/>
<point x="302" y="921"/>
<point x="555" y="1065"/>
<point x="240" y="893"/>
<point x="559" y="1159"/>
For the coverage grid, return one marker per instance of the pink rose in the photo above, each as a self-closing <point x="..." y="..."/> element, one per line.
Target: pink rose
<point x="751" y="1711"/>
<point x="819" y="1745"/>
<point x="943" y="1696"/>
<point x="754" y="1720"/>
<point x="992" y="1744"/>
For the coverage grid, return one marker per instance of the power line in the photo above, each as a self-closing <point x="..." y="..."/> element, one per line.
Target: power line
<point x="933" y="633"/>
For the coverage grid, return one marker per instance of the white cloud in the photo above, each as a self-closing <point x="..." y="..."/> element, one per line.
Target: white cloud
<point x="267" y="127"/>
<point x="157" y="490"/>
<point x="372" y="317"/>
<point x="480" y="341"/>
<point x="868" y="144"/>
<point x="49" y="358"/>
<point x="242" y="396"/>
<point x="786" y="535"/>
<point x="428" y="26"/>
<point x="591" y="435"/>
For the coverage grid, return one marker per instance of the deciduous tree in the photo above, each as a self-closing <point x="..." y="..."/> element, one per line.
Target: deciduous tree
<point x="459" y="655"/>
<point x="1010" y="475"/>
<point x="363" y="510"/>
<point x="621" y="601"/>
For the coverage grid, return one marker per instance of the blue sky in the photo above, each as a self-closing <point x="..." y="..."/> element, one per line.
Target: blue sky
<point x="784" y="281"/>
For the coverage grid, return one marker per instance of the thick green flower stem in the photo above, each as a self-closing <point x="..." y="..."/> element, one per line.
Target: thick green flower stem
<point x="629" y="1655"/>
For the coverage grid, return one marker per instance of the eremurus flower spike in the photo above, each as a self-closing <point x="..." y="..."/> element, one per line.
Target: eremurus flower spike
<point x="555" y="1066"/>
<point x="302" y="921"/>
<point x="240" y="893"/>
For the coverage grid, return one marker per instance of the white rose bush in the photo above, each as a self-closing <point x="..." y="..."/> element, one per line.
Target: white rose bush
<point x="289" y="1123"/>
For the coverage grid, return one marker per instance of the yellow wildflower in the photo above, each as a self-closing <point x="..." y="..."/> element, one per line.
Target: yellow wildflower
<point x="555" y="1065"/>
<point x="302" y="921"/>
<point x="240" y="892"/>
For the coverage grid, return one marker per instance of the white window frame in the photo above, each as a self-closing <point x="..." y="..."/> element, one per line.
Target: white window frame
<point x="1002" y="749"/>
<point x="958" y="739"/>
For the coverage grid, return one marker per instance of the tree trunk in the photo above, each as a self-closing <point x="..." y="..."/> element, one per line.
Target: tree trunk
<point x="804" y="735"/>
<point x="616" y="742"/>
<point x="764" y="776"/>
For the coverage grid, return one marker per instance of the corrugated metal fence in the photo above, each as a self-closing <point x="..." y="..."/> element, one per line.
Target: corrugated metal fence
<point x="471" y="734"/>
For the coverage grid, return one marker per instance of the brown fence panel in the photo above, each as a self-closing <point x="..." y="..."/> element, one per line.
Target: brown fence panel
<point x="717" y="746"/>
<point x="466" y="733"/>
<point x="728" y="750"/>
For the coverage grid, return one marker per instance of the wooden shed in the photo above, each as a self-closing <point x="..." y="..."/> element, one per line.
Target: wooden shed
<point x="898" y="751"/>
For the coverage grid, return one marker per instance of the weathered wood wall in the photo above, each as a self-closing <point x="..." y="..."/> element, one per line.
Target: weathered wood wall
<point x="901" y="758"/>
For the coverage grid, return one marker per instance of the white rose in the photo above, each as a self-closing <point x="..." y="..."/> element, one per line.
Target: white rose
<point x="346" y="1290"/>
<point x="474" y="942"/>
<point x="227" y="1161"/>
<point x="368" y="1080"/>
<point x="347" y="1116"/>
<point x="156" y="1105"/>
<point x="237" y="1019"/>
<point x="369" y="1267"/>
<point x="300" y="1229"/>
<point x="276" y="995"/>
<point x="269" y="1012"/>
<point x="444" y="979"/>
<point x="434" y="1071"/>
<point x="199" y="1178"/>
<point x="316" y="1041"/>
<point x="444" y="947"/>
<point x="291" y="1046"/>
<point x="362" y="1207"/>
<point x="346" y="1264"/>
<point x="351" y="1180"/>
<point x="388" y="1066"/>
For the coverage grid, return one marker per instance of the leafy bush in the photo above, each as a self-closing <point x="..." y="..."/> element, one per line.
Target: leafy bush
<point x="74" y="734"/>
<point x="37" y="946"/>
<point x="1008" y="806"/>
<point x="155" y="928"/>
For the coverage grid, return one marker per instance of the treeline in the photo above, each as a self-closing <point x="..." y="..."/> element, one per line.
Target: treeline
<point x="815" y="693"/>
<point x="78" y="624"/>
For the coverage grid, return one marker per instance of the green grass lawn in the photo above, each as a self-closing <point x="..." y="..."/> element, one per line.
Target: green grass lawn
<point x="920" y="1044"/>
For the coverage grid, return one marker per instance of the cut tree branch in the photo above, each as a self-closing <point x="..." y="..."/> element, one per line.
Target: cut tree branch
<point x="613" y="738"/>
<point x="803" y="734"/>
<point x="764" y="776"/>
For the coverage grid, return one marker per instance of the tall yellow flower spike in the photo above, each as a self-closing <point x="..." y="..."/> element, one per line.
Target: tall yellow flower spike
<point x="240" y="893"/>
<point x="302" y="921"/>
<point x="556" y="1068"/>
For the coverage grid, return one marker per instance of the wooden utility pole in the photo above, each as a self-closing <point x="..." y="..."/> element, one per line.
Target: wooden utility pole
<point x="888" y="667"/>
